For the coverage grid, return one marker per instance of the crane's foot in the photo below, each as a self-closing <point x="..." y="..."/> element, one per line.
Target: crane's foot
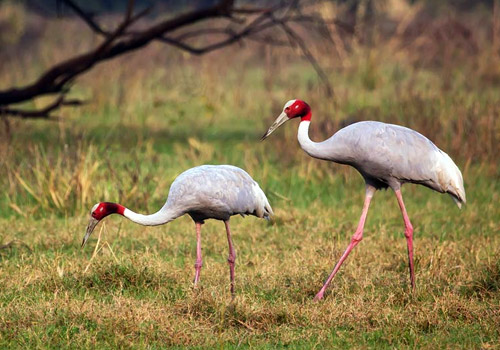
<point x="197" y="267"/>
<point x="319" y="296"/>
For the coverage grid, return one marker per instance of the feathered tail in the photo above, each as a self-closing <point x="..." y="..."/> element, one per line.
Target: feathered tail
<point x="264" y="209"/>
<point x="450" y="179"/>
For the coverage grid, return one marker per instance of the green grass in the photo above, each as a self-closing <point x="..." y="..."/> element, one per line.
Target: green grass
<point x="145" y="126"/>
<point x="137" y="291"/>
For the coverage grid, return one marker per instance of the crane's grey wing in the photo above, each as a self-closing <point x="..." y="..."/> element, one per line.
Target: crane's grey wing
<point x="394" y="155"/>
<point x="250" y="199"/>
<point x="416" y="159"/>
<point x="384" y="152"/>
<point x="218" y="191"/>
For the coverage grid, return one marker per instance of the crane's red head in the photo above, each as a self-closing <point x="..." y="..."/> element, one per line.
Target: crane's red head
<point x="297" y="108"/>
<point x="99" y="212"/>
<point x="103" y="209"/>
<point x="292" y="109"/>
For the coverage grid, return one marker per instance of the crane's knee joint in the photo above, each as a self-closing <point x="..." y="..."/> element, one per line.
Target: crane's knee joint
<point x="198" y="264"/>
<point x="356" y="240"/>
<point x="409" y="232"/>
<point x="358" y="236"/>
<point x="231" y="259"/>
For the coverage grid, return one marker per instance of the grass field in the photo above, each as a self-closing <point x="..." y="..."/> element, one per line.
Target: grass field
<point x="143" y="127"/>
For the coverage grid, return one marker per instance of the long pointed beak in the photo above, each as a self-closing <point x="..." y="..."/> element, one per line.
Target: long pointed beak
<point x="277" y="123"/>
<point x="90" y="228"/>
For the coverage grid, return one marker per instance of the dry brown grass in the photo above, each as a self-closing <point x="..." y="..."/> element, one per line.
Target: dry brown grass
<point x="138" y="289"/>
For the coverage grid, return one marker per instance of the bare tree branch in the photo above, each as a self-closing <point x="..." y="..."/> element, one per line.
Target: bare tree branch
<point x="348" y="28"/>
<point x="87" y="18"/>
<point x="254" y="27"/>
<point x="123" y="39"/>
<point x="55" y="78"/>
<point x="307" y="54"/>
<point x="40" y="113"/>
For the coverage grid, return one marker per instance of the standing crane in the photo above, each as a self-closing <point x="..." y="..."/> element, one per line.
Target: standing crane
<point x="386" y="155"/>
<point x="204" y="192"/>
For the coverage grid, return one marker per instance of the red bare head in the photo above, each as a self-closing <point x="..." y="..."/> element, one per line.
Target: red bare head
<point x="103" y="209"/>
<point x="292" y="109"/>
<point x="297" y="108"/>
<point x="99" y="212"/>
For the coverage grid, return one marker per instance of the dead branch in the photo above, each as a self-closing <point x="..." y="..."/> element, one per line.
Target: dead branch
<point x="124" y="39"/>
<point x="40" y="113"/>
<point x="255" y="26"/>
<point x="86" y="17"/>
<point x="295" y="38"/>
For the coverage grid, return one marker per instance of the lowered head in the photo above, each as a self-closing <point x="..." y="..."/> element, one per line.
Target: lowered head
<point x="99" y="212"/>
<point x="292" y="109"/>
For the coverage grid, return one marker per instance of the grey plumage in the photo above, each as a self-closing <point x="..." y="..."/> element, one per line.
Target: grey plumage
<point x="216" y="192"/>
<point x="389" y="155"/>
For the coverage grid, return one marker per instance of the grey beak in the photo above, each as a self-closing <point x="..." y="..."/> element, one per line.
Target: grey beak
<point x="277" y="123"/>
<point x="90" y="228"/>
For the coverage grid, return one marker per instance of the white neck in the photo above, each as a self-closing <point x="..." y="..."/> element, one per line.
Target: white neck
<point x="309" y="146"/>
<point x="160" y="217"/>
<point x="332" y="149"/>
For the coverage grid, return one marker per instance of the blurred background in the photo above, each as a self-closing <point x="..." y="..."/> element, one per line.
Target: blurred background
<point x="434" y="67"/>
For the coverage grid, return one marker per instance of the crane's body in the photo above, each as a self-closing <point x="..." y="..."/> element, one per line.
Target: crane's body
<point x="209" y="192"/>
<point x="216" y="192"/>
<point x="386" y="155"/>
<point x="203" y="192"/>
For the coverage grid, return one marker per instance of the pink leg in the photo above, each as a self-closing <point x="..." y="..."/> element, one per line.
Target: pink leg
<point x="408" y="235"/>
<point x="199" y="262"/>
<point x="356" y="238"/>
<point x="231" y="258"/>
